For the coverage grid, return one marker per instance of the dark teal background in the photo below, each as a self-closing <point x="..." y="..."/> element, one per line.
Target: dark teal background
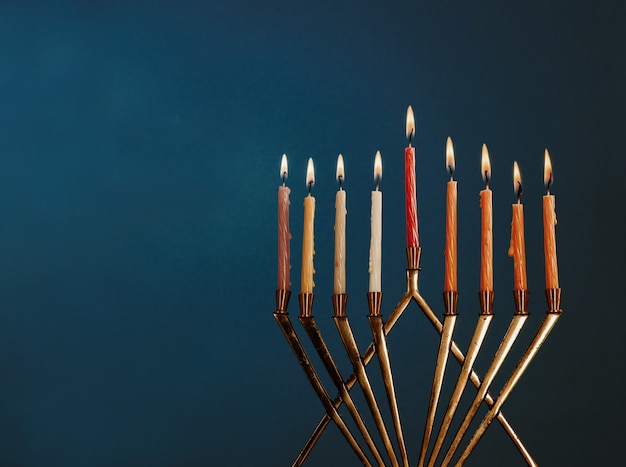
<point x="140" y="145"/>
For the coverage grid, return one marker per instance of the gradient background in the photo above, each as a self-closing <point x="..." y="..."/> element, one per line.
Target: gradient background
<point x="140" y="146"/>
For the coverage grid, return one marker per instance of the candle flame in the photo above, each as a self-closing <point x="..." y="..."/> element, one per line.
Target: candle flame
<point x="450" y="164"/>
<point x="547" y="169"/>
<point x="340" y="171"/>
<point x="410" y="123"/>
<point x="378" y="166"/>
<point x="486" y="164"/>
<point x="310" y="173"/>
<point x="284" y="169"/>
<point x="517" y="179"/>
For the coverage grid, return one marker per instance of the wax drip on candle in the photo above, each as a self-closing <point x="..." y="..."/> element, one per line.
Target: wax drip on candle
<point x="547" y="171"/>
<point x="486" y="166"/>
<point x="284" y="170"/>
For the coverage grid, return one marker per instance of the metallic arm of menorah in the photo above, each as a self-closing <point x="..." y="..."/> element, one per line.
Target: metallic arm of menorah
<point x="553" y="314"/>
<point x="380" y="342"/>
<point x="449" y="320"/>
<point x="458" y="354"/>
<point x="480" y="331"/>
<point x="347" y="337"/>
<point x="516" y="325"/>
<point x="282" y="318"/>
<point x="309" y="325"/>
<point x="352" y="379"/>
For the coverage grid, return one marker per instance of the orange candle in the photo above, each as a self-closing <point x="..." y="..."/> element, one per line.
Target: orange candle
<point x="549" y="223"/>
<point x="410" y="183"/>
<point x="517" y="248"/>
<point x="450" y="284"/>
<point x="284" y="236"/>
<point x="486" y="244"/>
<point x="307" y="236"/>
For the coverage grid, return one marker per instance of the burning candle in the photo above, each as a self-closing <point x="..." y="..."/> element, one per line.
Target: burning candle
<point x="549" y="221"/>
<point x="451" y="217"/>
<point x="340" y="231"/>
<point x="409" y="182"/>
<point x="486" y="250"/>
<point x="284" y="236"/>
<point x="307" y="235"/>
<point x="517" y="248"/>
<point x="376" y="228"/>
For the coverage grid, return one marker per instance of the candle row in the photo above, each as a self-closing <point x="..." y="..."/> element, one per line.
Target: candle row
<point x="517" y="244"/>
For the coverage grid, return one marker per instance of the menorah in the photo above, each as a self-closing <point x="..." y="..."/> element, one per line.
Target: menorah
<point x="397" y="455"/>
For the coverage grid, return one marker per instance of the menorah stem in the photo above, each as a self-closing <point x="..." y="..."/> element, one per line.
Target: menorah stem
<point x="553" y="314"/>
<point x="480" y="331"/>
<point x="309" y="325"/>
<point x="347" y="337"/>
<point x="449" y="320"/>
<point x="376" y="323"/>
<point x="282" y="318"/>
<point x="517" y="323"/>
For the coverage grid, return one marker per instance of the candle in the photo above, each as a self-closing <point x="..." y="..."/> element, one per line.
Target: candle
<point x="549" y="221"/>
<point x="517" y="248"/>
<point x="486" y="245"/>
<point x="340" y="231"/>
<point x="284" y="236"/>
<point x="450" y="283"/>
<point x="409" y="182"/>
<point x="376" y="228"/>
<point x="307" y="235"/>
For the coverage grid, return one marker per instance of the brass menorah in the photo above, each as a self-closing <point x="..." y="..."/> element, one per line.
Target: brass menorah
<point x="378" y="346"/>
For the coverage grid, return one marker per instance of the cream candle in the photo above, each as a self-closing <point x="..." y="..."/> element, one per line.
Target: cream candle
<point x="307" y="235"/>
<point x="549" y="223"/>
<point x="340" y="231"/>
<point x="284" y="235"/>
<point x="517" y="248"/>
<point x="486" y="244"/>
<point x="375" y="262"/>
<point x="450" y="282"/>
<point x="410" y="183"/>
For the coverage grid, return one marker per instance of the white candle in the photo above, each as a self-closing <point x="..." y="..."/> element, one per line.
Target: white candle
<point x="376" y="229"/>
<point x="308" y="250"/>
<point x="340" y="231"/>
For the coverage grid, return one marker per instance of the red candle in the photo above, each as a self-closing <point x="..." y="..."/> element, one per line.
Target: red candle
<point x="409" y="182"/>
<point x="451" y="217"/>
<point x="517" y="248"/>
<point x="549" y="221"/>
<point x="486" y="244"/>
<point x="284" y="236"/>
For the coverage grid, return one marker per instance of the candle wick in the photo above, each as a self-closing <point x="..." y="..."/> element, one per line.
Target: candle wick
<point x="549" y="184"/>
<point x="411" y="138"/>
<point x="377" y="182"/>
<point x="310" y="186"/>
<point x="519" y="192"/>
<point x="284" y="177"/>
<point x="340" y="178"/>
<point x="451" y="173"/>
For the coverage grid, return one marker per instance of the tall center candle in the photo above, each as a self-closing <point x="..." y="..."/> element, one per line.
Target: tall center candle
<point x="376" y="229"/>
<point x="410" y="183"/>
<point x="549" y="223"/>
<point x="517" y="248"/>
<point x="284" y="236"/>
<point x="450" y="283"/>
<point x="340" y="231"/>
<point x="307" y="234"/>
<point x="486" y="244"/>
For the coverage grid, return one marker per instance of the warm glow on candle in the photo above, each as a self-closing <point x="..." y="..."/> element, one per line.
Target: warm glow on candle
<point x="517" y="248"/>
<point x="450" y="283"/>
<point x="308" y="250"/>
<point x="410" y="124"/>
<point x="549" y="223"/>
<point x="376" y="229"/>
<point x="340" y="232"/>
<point x="485" y="165"/>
